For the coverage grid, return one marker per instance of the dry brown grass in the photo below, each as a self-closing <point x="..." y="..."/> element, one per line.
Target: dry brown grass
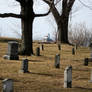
<point x="43" y="76"/>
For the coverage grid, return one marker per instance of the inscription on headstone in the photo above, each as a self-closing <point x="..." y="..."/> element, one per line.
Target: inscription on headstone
<point x="68" y="77"/>
<point x="8" y="85"/>
<point x="57" y="61"/>
<point x="37" y="51"/>
<point x="12" y="53"/>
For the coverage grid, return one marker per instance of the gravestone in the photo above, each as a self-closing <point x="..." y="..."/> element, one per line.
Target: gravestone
<point x="24" y="67"/>
<point x="76" y="46"/>
<point x="8" y="85"/>
<point x="68" y="77"/>
<point x="42" y="47"/>
<point x="57" y="61"/>
<point x="73" y="51"/>
<point x="86" y="60"/>
<point x="37" y="51"/>
<point x="59" y="47"/>
<point x="90" y="76"/>
<point x="12" y="53"/>
<point x="90" y="49"/>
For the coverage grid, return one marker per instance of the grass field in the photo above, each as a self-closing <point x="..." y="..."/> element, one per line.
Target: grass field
<point x="43" y="76"/>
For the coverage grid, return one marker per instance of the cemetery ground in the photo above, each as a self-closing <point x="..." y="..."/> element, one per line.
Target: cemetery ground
<point x="42" y="75"/>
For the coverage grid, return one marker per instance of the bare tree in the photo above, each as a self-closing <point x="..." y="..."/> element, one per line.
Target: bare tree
<point x="79" y="34"/>
<point x="62" y="18"/>
<point x="27" y="16"/>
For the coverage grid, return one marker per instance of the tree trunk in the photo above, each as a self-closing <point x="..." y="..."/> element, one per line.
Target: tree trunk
<point x="63" y="29"/>
<point x="26" y="44"/>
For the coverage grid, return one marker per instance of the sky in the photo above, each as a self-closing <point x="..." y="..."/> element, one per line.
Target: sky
<point x="11" y="27"/>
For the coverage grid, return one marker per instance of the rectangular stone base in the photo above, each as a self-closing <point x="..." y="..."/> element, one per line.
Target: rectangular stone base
<point x="11" y="57"/>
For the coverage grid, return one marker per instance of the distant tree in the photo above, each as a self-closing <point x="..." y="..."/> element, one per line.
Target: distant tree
<point x="27" y="16"/>
<point x="79" y="34"/>
<point x="62" y="18"/>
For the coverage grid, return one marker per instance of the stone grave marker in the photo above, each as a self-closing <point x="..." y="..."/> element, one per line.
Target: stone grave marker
<point x="59" y="47"/>
<point x="68" y="77"/>
<point x="8" y="85"/>
<point x="86" y="60"/>
<point x="24" y="66"/>
<point x="57" y="61"/>
<point x="73" y="51"/>
<point x="90" y="49"/>
<point x="42" y="47"/>
<point x="90" y="77"/>
<point x="76" y="46"/>
<point x="37" y="51"/>
<point x="12" y="53"/>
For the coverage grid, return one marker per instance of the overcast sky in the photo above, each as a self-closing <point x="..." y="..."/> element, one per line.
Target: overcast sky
<point x="41" y="26"/>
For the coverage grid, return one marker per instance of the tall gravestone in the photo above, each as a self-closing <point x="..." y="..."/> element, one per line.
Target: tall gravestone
<point x="37" y="51"/>
<point x="57" y="61"/>
<point x="8" y="85"/>
<point x="24" y="66"/>
<point x="12" y="53"/>
<point x="68" y="77"/>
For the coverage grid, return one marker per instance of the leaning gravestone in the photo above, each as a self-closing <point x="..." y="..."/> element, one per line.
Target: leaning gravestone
<point x="68" y="77"/>
<point x="8" y="85"/>
<point x="24" y="67"/>
<point x="12" y="53"/>
<point x="37" y="51"/>
<point x="57" y="61"/>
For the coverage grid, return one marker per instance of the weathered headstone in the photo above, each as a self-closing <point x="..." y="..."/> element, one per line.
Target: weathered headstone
<point x="57" y="61"/>
<point x="86" y="60"/>
<point x="24" y="67"/>
<point x="37" y="51"/>
<point x="42" y="47"/>
<point x="8" y="85"/>
<point x="90" y="76"/>
<point x="59" y="47"/>
<point x="12" y="53"/>
<point x="73" y="51"/>
<point x="68" y="77"/>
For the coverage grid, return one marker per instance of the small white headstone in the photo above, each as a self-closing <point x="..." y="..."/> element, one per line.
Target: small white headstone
<point x="68" y="77"/>
<point x="8" y="85"/>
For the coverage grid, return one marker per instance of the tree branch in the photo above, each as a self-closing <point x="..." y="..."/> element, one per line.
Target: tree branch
<point x="42" y="15"/>
<point x="11" y="15"/>
<point x="70" y="4"/>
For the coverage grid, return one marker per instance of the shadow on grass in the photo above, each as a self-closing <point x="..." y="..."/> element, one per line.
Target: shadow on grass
<point x="84" y="88"/>
<point x="43" y="74"/>
<point x="32" y="60"/>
